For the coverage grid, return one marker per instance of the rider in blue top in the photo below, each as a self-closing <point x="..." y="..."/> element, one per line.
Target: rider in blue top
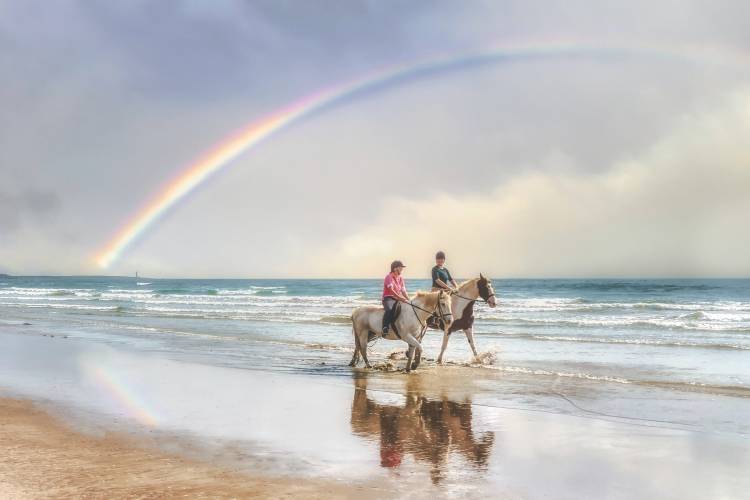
<point x="440" y="274"/>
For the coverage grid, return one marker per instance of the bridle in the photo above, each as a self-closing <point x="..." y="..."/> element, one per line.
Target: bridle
<point x="438" y="309"/>
<point x="486" y="291"/>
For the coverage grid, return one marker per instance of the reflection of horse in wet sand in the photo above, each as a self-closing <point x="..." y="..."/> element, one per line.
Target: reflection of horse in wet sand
<point x="430" y="430"/>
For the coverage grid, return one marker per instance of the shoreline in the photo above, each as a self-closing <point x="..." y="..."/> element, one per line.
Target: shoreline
<point x="44" y="457"/>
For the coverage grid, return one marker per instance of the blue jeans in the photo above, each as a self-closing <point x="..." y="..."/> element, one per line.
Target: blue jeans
<point x="389" y="304"/>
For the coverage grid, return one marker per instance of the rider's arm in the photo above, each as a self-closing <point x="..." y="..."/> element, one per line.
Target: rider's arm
<point x="442" y="284"/>
<point x="399" y="295"/>
<point x="405" y="294"/>
<point x="453" y="282"/>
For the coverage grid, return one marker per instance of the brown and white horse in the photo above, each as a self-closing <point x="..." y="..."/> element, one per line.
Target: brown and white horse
<point x="367" y="322"/>
<point x="462" y="303"/>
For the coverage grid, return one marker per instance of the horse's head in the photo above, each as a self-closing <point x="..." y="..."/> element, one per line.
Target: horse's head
<point x="486" y="291"/>
<point x="444" y="309"/>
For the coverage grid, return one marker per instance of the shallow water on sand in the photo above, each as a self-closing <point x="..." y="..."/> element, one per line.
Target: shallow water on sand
<point x="434" y="433"/>
<point x="669" y="350"/>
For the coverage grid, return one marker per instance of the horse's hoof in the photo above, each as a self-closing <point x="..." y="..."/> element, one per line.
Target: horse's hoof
<point x="368" y="366"/>
<point x="352" y="364"/>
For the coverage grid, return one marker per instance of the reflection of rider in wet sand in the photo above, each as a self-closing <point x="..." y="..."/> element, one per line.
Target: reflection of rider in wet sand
<point x="428" y="429"/>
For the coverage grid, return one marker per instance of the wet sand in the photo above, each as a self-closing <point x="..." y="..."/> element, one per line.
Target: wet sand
<point x="135" y="424"/>
<point x="44" y="458"/>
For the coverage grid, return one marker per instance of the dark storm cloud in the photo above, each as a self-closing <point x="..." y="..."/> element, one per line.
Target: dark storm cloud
<point x="197" y="49"/>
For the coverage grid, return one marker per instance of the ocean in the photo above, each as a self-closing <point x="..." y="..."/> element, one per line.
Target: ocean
<point x="673" y="353"/>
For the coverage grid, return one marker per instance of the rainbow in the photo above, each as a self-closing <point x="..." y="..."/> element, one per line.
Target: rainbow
<point x="227" y="150"/>
<point x="125" y="395"/>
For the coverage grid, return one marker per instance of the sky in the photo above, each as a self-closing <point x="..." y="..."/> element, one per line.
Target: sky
<point x="594" y="165"/>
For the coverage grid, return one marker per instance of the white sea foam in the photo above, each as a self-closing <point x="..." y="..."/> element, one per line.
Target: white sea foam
<point x="61" y="306"/>
<point x="629" y="341"/>
<point x="549" y="373"/>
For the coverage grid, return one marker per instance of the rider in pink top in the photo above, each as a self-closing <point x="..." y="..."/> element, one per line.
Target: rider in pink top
<point x="394" y="290"/>
<point x="393" y="286"/>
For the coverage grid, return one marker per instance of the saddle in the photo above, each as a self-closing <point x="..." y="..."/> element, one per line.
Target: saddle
<point x="396" y="313"/>
<point x="462" y="322"/>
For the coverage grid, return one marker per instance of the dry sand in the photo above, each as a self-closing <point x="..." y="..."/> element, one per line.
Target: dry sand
<point x="43" y="458"/>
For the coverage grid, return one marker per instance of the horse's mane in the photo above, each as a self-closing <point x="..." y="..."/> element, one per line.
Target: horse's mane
<point x="430" y="298"/>
<point x="467" y="282"/>
<point x="422" y="293"/>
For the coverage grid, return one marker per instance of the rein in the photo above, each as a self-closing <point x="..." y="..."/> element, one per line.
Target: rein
<point x="485" y="300"/>
<point x="474" y="300"/>
<point x="438" y="309"/>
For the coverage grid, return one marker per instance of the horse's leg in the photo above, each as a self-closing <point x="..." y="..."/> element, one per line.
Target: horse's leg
<point x="443" y="348"/>
<point x="355" y="356"/>
<point x="414" y="348"/>
<point x="410" y="356"/>
<point x="470" y="337"/>
<point x="420" y="337"/>
<point x="362" y="339"/>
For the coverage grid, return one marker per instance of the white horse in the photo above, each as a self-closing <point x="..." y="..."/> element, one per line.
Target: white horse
<point x="462" y="302"/>
<point x="367" y="322"/>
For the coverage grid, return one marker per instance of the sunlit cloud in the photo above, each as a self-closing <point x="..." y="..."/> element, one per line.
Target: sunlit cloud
<point x="676" y="210"/>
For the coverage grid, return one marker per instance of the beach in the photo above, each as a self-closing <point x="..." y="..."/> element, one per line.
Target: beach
<point x="42" y="458"/>
<point x="259" y="400"/>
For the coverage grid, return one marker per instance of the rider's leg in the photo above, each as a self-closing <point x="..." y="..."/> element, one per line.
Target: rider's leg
<point x="444" y="346"/>
<point x="470" y="337"/>
<point x="389" y="306"/>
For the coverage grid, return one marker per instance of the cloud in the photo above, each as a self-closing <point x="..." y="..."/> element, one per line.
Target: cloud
<point x="679" y="209"/>
<point x="14" y="208"/>
<point x="105" y="102"/>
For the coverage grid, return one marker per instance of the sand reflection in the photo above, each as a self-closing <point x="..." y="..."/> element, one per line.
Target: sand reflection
<point x="434" y="431"/>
